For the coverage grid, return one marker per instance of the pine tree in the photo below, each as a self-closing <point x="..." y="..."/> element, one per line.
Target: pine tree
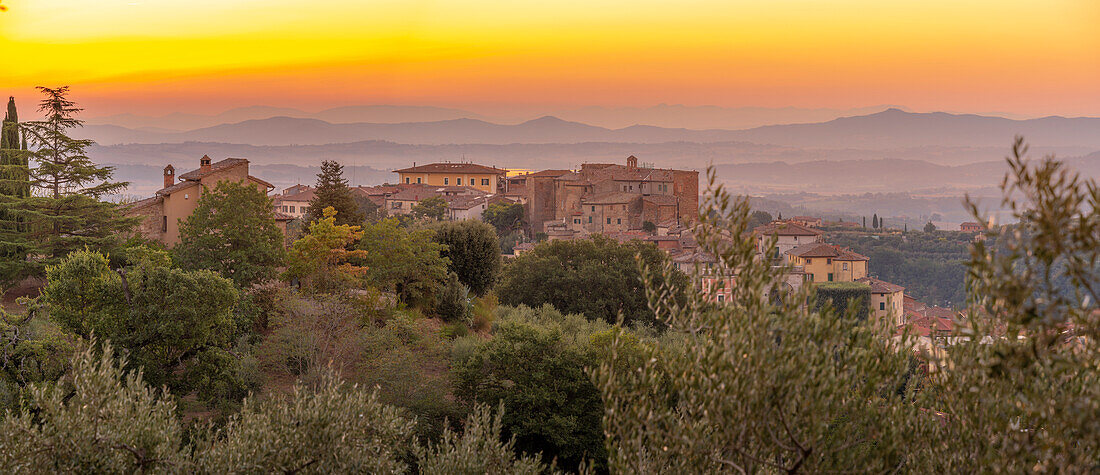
<point x="14" y="184"/>
<point x="333" y="191"/>
<point x="64" y="210"/>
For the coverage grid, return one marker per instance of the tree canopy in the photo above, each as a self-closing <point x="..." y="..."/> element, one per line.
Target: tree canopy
<point x="597" y="277"/>
<point x="432" y="208"/>
<point x="332" y="191"/>
<point x="473" y="250"/>
<point x="320" y="259"/>
<point x="232" y="232"/>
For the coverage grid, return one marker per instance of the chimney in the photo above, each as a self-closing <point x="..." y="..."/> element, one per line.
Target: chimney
<point x="204" y="164"/>
<point x="169" y="176"/>
<point x="632" y="162"/>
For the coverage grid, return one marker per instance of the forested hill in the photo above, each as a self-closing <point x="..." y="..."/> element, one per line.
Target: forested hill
<point x="931" y="266"/>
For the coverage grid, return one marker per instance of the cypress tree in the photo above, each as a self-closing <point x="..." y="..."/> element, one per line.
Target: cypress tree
<point x="67" y="213"/>
<point x="332" y="190"/>
<point x="874" y="221"/>
<point x="14" y="184"/>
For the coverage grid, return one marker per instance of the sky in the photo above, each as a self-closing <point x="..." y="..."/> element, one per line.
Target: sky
<point x="1031" y="57"/>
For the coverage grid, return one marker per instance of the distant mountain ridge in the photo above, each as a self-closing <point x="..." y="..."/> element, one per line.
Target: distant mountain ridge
<point x="892" y="128"/>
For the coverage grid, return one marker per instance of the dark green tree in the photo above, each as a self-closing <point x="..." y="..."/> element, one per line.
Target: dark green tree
<point x="14" y="184"/>
<point x="759" y="218"/>
<point x="874" y="221"/>
<point x="333" y="191"/>
<point x="404" y="261"/>
<point x="929" y="228"/>
<point x="454" y="302"/>
<point x="66" y="213"/>
<point x="649" y="227"/>
<point x="232" y="232"/>
<point x="538" y="374"/>
<point x="473" y="249"/>
<point x="179" y="326"/>
<point x="432" y="208"/>
<point x="596" y="277"/>
<point x="505" y="217"/>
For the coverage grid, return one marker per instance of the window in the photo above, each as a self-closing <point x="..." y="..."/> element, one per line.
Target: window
<point x="186" y="196"/>
<point x="396" y="205"/>
<point x="619" y="221"/>
<point x="458" y="181"/>
<point x="830" y="277"/>
<point x="576" y="221"/>
<point x="882" y="305"/>
<point x="485" y="181"/>
<point x="407" y="180"/>
<point x="589" y="220"/>
<point x="721" y="298"/>
<point x="828" y="261"/>
<point x="608" y="220"/>
<point x="593" y="209"/>
<point x="418" y="180"/>
<point x="809" y="261"/>
<point x="164" y="224"/>
<point x="446" y="181"/>
<point x="844" y="266"/>
<point x="292" y="209"/>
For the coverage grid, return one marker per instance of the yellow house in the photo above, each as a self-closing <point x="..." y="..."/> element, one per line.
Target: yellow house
<point x="887" y="301"/>
<point x="162" y="214"/>
<point x="828" y="263"/>
<point x="487" y="179"/>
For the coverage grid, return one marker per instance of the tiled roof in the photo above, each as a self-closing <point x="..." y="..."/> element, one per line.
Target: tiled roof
<point x="416" y="194"/>
<point x="820" y="249"/>
<point x="786" y="229"/>
<point x="881" y="286"/>
<point x="283" y="217"/>
<point x="214" y="167"/>
<point x="613" y="197"/>
<point x="551" y="173"/>
<point x="453" y="168"/>
<point x="177" y="187"/>
<point x="303" y="196"/>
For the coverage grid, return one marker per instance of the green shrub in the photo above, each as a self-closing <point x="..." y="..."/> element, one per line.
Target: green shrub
<point x="842" y="294"/>
<point x="451" y="331"/>
<point x="454" y="302"/>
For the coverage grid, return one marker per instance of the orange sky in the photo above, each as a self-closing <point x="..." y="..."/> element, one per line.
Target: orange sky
<point x="161" y="56"/>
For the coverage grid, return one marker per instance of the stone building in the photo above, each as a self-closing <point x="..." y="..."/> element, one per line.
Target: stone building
<point x="163" y="213"/>
<point x="608" y="198"/>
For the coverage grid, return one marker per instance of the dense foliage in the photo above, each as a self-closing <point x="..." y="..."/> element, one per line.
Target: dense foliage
<point x="320" y="260"/>
<point x="597" y="277"/>
<point x="505" y="217"/>
<point x="931" y="266"/>
<point x="178" y="325"/>
<point x="432" y="208"/>
<point x="841" y="295"/>
<point x="535" y="366"/>
<point x="473" y="252"/>
<point x="332" y="191"/>
<point x="404" y="261"/>
<point x="232" y="232"/>
<point x="63" y="211"/>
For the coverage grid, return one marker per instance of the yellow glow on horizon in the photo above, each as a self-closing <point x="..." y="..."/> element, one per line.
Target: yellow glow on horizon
<point x="977" y="54"/>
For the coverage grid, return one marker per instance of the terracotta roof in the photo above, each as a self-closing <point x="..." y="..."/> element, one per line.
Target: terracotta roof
<point x="820" y="249"/>
<point x="786" y="229"/>
<point x="214" y="167"/>
<point x="881" y="286"/>
<point x="283" y="217"/>
<point x="177" y="187"/>
<point x="552" y="173"/>
<point x="415" y="194"/>
<point x="303" y="196"/>
<point x="525" y="246"/>
<point x="613" y="197"/>
<point x="452" y="168"/>
<point x="806" y="218"/>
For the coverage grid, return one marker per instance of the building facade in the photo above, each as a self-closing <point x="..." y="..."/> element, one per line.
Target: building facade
<point x="163" y="213"/>
<point x="486" y="179"/>
<point x="609" y="198"/>
<point x="828" y="263"/>
<point x="887" y="301"/>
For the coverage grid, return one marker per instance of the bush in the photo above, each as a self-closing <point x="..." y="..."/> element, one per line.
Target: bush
<point x="473" y="250"/>
<point x="484" y="311"/>
<point x="454" y="303"/>
<point x="451" y="331"/>
<point x="840" y="295"/>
